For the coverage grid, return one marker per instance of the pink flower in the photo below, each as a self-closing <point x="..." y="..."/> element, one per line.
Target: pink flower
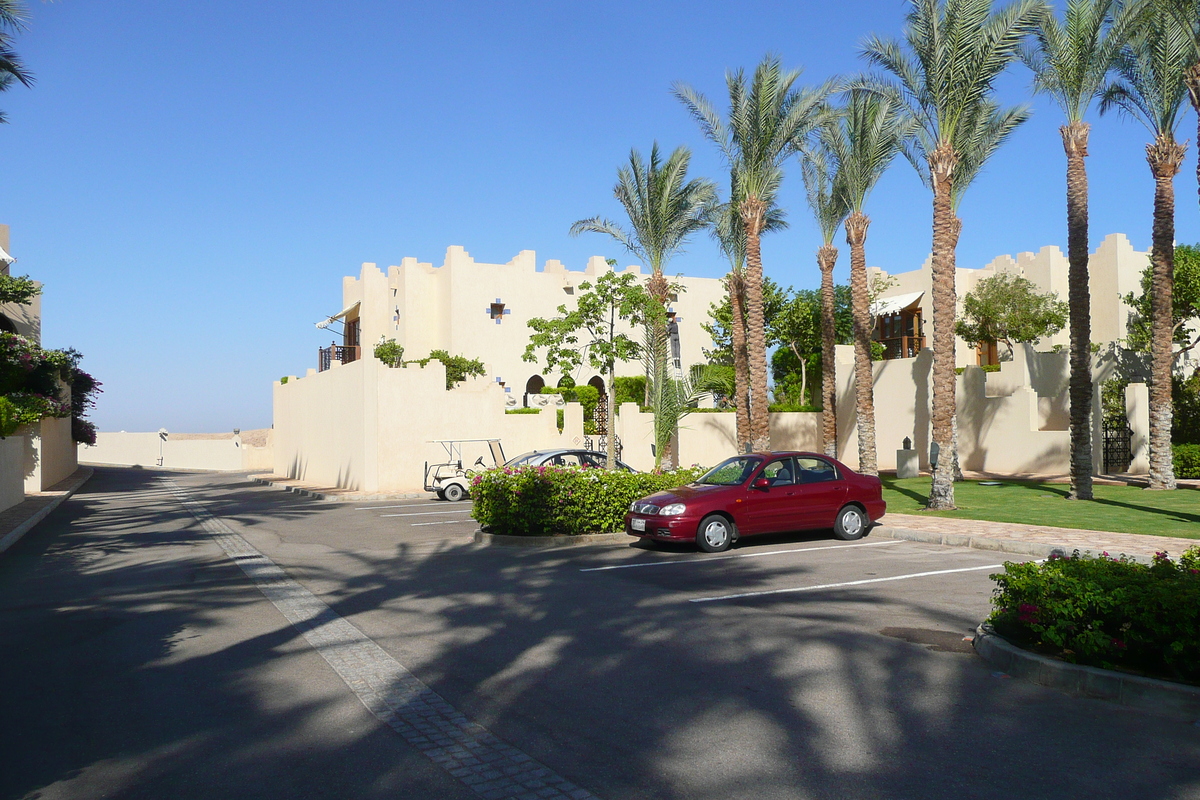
<point x="1120" y="645"/>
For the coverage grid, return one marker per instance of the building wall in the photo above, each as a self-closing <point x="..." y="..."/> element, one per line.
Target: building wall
<point x="1114" y="270"/>
<point x="427" y="308"/>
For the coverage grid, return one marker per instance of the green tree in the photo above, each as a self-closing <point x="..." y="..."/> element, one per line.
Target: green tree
<point x="956" y="49"/>
<point x="819" y="170"/>
<point x="725" y="224"/>
<point x="720" y="324"/>
<point x="767" y="118"/>
<point x="863" y="140"/>
<point x="1152" y="69"/>
<point x="664" y="209"/>
<point x="594" y="332"/>
<point x="799" y="329"/>
<point x="1185" y="305"/>
<point x="1070" y="62"/>
<point x="1008" y="308"/>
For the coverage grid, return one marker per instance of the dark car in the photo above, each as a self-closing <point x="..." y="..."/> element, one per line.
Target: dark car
<point x="761" y="493"/>
<point x="564" y="458"/>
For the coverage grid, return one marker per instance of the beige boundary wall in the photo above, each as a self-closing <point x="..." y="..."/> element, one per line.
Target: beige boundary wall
<point x="12" y="471"/>
<point x="370" y="428"/>
<point x="50" y="453"/>
<point x="221" y="452"/>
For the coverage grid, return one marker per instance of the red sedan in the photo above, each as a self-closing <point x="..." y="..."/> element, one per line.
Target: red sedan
<point x="761" y="493"/>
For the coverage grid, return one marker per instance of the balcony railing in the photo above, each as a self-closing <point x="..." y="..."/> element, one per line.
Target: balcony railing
<point x="343" y="354"/>
<point x="902" y="346"/>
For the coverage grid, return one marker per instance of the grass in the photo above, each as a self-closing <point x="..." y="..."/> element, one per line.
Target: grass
<point x="1120" y="509"/>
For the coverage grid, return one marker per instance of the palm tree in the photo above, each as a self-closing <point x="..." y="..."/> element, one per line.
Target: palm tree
<point x="13" y="17"/>
<point x="725" y="224"/>
<point x="766" y="120"/>
<point x="1070" y="62"/>
<point x="819" y="169"/>
<point x="863" y="140"/>
<point x="956" y="50"/>
<point x="1150" y="88"/>
<point x="664" y="209"/>
<point x="1186" y="15"/>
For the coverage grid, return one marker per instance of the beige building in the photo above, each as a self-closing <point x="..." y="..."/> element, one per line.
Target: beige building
<point x="479" y="310"/>
<point x="905" y="309"/>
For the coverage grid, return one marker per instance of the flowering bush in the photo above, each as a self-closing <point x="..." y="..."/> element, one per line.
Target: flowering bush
<point x="540" y="501"/>
<point x="31" y="381"/>
<point x="1106" y="612"/>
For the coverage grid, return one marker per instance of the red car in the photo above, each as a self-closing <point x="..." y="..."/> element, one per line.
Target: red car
<point x="761" y="493"/>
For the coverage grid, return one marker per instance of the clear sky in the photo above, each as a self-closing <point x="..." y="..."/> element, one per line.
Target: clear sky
<point x="192" y="180"/>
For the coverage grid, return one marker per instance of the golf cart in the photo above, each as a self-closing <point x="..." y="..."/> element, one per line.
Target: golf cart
<point x="448" y="478"/>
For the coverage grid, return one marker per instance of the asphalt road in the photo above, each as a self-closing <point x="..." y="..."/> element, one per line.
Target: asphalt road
<point x="142" y="660"/>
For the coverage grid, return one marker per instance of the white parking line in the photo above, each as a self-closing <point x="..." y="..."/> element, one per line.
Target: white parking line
<point x="429" y="513"/>
<point x="380" y="508"/>
<point x="739" y="555"/>
<point x="840" y="585"/>
<point x="446" y="522"/>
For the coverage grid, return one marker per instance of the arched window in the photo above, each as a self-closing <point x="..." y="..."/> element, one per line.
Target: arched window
<point x="533" y="386"/>
<point x="7" y="325"/>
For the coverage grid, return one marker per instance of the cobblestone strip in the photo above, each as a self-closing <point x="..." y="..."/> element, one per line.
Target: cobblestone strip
<point x="494" y="769"/>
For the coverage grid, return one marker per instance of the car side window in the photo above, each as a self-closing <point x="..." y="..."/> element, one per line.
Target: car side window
<point x="590" y="460"/>
<point x="779" y="472"/>
<point x="815" y="470"/>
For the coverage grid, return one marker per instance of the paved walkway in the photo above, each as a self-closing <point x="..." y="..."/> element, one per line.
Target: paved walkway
<point x="1068" y="539"/>
<point x="15" y="522"/>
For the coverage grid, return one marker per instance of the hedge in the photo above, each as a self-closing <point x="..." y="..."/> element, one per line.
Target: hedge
<point x="541" y="501"/>
<point x="1187" y="460"/>
<point x="1105" y="612"/>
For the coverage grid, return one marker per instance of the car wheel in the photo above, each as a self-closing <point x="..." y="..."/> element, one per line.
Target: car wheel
<point x="441" y="495"/>
<point x="454" y="492"/>
<point x="715" y="534"/>
<point x="851" y="523"/>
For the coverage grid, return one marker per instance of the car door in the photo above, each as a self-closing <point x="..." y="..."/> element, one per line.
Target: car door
<point x="771" y="509"/>
<point x="820" y="493"/>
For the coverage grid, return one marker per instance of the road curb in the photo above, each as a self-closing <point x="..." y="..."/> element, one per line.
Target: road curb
<point x="1146" y="694"/>
<point x="1014" y="546"/>
<point x="78" y="479"/>
<point x="488" y="539"/>
<point x="326" y="497"/>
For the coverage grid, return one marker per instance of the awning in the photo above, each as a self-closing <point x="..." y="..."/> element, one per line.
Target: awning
<point x="350" y="309"/>
<point x="893" y="305"/>
<point x="5" y="258"/>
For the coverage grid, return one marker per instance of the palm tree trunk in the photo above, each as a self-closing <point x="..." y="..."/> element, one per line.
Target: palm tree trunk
<point x="864" y="376"/>
<point x="753" y="211"/>
<point x="1075" y="142"/>
<point x="1165" y="158"/>
<point x="942" y="161"/>
<point x="826" y="258"/>
<point x="741" y="366"/>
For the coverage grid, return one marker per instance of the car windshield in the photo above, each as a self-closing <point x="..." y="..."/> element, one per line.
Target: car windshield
<point x="521" y="459"/>
<point x="730" y="472"/>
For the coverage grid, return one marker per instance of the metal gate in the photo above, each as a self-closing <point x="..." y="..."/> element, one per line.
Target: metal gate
<point x="1118" y="447"/>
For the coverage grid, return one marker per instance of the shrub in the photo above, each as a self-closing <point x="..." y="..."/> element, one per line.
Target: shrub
<point x="390" y="352"/>
<point x="1106" y="612"/>
<point x="1185" y="409"/>
<point x="522" y="410"/>
<point x="1187" y="460"/>
<point x="630" y="390"/>
<point x="540" y="501"/>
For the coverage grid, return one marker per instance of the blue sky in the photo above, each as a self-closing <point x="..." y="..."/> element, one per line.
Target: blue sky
<point x="192" y="180"/>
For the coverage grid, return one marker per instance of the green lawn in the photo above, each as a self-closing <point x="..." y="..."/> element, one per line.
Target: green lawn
<point x="1122" y="509"/>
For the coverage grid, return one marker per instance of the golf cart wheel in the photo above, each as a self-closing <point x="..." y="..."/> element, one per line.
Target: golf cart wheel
<point x="454" y="492"/>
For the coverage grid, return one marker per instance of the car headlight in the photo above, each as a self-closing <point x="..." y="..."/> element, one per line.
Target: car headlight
<point x="633" y="506"/>
<point x="672" y="510"/>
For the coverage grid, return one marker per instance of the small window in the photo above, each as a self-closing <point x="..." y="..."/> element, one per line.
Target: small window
<point x="816" y="470"/>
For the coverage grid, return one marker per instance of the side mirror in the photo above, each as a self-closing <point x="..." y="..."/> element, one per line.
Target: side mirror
<point x="762" y="483"/>
<point x="479" y="461"/>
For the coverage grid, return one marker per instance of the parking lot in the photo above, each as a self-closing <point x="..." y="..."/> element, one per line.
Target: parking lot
<point x="789" y="667"/>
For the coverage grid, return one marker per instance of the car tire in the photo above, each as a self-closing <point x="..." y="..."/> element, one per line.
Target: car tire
<point x="851" y="523"/>
<point x="715" y="534"/>
<point x="454" y="492"/>
<point x="441" y="495"/>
